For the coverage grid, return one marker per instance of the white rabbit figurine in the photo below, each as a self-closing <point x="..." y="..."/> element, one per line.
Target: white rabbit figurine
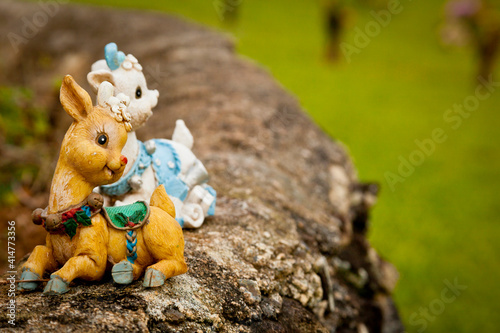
<point x="158" y="161"/>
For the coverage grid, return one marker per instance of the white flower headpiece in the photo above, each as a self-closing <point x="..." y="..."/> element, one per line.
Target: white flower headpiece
<point x="117" y="104"/>
<point x="131" y="62"/>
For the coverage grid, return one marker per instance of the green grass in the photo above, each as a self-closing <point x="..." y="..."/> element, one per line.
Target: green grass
<point x="442" y="222"/>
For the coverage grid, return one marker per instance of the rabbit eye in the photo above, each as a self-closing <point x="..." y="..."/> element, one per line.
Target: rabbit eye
<point x="138" y="92"/>
<point x="102" y="139"/>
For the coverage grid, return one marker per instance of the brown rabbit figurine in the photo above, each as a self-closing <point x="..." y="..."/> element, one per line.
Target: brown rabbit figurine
<point x="82" y="236"/>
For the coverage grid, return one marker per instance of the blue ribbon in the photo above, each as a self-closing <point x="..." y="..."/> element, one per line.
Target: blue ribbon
<point x="114" y="58"/>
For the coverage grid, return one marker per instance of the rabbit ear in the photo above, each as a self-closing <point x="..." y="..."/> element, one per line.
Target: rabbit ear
<point x="97" y="77"/>
<point x="105" y="92"/>
<point x="74" y="99"/>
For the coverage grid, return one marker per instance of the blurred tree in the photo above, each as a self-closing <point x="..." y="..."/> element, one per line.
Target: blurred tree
<point x="22" y="129"/>
<point x="228" y="10"/>
<point x="474" y="22"/>
<point x="335" y="14"/>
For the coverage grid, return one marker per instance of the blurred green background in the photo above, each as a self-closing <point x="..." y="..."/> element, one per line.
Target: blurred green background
<point x="441" y="223"/>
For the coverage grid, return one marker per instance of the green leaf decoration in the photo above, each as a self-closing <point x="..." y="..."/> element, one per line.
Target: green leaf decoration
<point x="136" y="216"/>
<point x="83" y="219"/>
<point x="70" y="227"/>
<point x="121" y="218"/>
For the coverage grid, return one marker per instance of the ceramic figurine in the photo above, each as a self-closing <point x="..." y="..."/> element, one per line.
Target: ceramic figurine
<point x="82" y="235"/>
<point x="157" y="161"/>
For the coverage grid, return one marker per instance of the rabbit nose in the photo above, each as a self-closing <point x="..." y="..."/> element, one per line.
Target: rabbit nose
<point x="154" y="99"/>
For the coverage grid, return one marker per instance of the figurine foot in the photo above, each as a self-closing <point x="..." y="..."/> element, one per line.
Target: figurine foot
<point x="192" y="215"/>
<point x="28" y="286"/>
<point x="123" y="272"/>
<point x="56" y="286"/>
<point x="153" y="278"/>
